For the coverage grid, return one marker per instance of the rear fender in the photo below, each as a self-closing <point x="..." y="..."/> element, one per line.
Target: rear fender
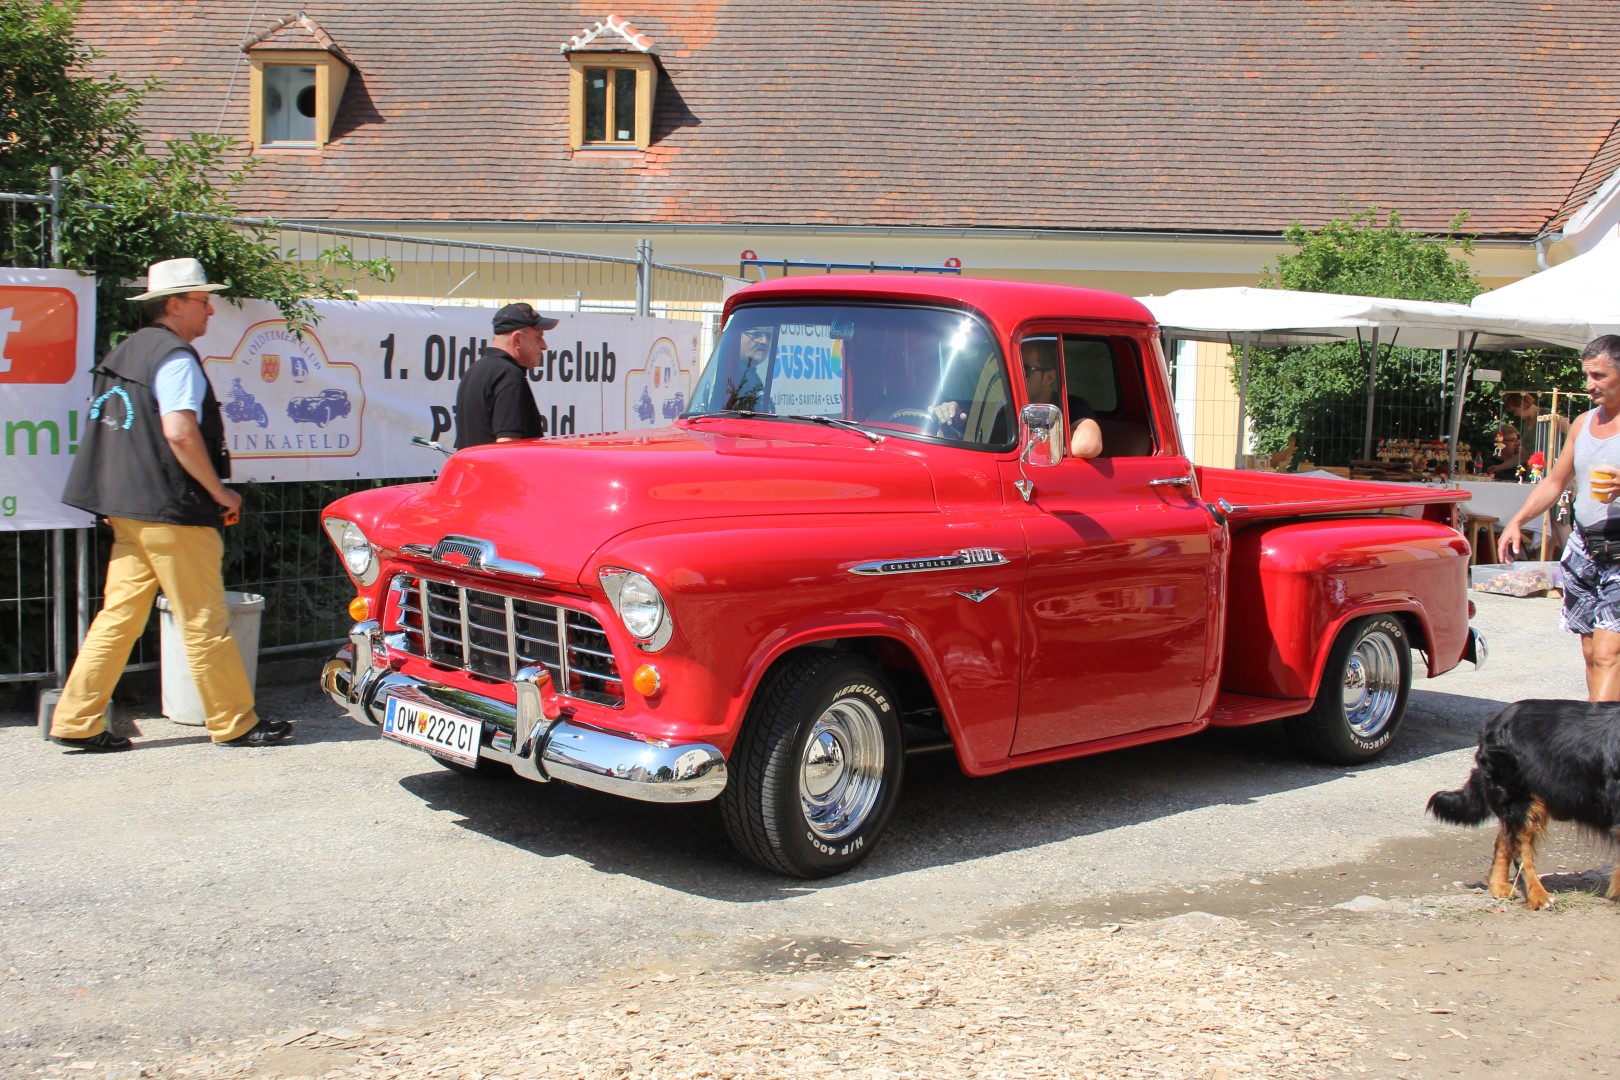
<point x="1294" y="585"/>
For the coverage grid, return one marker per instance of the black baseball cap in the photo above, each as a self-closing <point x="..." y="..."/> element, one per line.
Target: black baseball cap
<point x="517" y="316"/>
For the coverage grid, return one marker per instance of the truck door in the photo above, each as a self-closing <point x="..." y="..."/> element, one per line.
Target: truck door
<point x="1122" y="598"/>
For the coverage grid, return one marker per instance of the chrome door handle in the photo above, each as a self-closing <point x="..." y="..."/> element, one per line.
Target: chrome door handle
<point x="1174" y="481"/>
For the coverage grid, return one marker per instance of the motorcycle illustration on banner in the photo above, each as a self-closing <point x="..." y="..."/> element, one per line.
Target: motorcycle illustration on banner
<point x="241" y="407"/>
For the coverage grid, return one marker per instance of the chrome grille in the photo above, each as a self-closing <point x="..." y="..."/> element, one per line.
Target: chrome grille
<point x="495" y="635"/>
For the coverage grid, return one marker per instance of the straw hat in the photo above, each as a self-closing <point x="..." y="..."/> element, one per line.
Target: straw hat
<point x="172" y="277"/>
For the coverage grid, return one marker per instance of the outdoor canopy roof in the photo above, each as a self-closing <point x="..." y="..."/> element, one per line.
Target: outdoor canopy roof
<point x="1585" y="291"/>
<point x="1271" y="318"/>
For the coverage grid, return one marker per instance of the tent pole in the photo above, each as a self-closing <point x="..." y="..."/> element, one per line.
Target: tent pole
<point x="1459" y="388"/>
<point x="1372" y="387"/>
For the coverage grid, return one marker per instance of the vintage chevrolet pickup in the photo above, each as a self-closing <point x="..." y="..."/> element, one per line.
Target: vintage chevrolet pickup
<point x="860" y="539"/>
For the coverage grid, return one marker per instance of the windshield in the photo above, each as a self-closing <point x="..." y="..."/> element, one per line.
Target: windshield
<point x="918" y="372"/>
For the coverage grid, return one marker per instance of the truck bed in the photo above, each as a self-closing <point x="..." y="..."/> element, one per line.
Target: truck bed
<point x="1252" y="496"/>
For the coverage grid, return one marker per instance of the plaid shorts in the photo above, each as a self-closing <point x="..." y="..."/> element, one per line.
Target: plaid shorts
<point x="1591" y="592"/>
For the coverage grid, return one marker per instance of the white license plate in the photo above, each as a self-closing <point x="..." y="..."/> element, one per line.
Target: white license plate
<point x="444" y="733"/>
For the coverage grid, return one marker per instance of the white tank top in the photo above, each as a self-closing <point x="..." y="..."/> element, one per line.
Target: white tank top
<point x="1599" y="518"/>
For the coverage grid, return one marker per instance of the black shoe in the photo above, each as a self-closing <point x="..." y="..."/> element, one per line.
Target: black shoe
<point x="264" y="733"/>
<point x="104" y="743"/>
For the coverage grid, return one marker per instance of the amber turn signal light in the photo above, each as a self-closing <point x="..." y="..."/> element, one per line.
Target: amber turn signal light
<point x="646" y="680"/>
<point x="359" y="609"/>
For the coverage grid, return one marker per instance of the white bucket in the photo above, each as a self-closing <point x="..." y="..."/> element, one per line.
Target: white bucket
<point x="180" y="701"/>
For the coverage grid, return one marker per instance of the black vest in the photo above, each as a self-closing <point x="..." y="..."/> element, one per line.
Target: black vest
<point x="124" y="467"/>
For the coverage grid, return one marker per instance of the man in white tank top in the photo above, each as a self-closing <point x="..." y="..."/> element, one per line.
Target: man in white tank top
<point x="1590" y="462"/>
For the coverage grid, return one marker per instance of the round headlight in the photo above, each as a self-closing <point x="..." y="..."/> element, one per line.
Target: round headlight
<point x="356" y="549"/>
<point x="640" y="606"/>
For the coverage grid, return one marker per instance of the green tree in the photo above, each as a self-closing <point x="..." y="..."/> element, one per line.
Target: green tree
<point x="1317" y="394"/>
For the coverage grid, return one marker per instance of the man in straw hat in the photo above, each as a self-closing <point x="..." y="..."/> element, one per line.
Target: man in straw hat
<point x="153" y="463"/>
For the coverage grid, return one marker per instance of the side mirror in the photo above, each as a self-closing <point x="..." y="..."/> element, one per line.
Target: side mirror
<point x="1040" y="445"/>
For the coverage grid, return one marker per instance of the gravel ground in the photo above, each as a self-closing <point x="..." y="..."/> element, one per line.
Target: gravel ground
<point x="342" y="906"/>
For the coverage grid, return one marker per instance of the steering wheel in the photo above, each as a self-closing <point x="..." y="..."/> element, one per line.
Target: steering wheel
<point x="923" y="420"/>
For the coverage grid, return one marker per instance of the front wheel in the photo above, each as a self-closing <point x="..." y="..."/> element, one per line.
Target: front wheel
<point x="817" y="769"/>
<point x="1362" y="700"/>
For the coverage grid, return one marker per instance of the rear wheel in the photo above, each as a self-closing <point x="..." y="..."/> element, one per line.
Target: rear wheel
<point x="816" y="771"/>
<point x="1362" y="699"/>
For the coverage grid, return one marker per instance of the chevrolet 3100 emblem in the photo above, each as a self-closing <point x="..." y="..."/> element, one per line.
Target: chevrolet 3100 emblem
<point x="967" y="557"/>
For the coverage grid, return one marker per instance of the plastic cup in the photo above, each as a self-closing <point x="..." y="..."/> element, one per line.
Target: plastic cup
<point x="1602" y="483"/>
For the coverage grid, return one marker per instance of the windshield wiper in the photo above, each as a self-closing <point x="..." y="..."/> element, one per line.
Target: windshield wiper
<point x="832" y="421"/>
<point x="749" y="414"/>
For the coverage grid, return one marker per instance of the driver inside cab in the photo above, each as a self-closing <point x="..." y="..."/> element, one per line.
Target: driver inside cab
<point x="1045" y="378"/>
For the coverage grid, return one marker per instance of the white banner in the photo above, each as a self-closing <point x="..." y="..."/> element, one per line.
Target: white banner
<point x="343" y="400"/>
<point x="47" y="334"/>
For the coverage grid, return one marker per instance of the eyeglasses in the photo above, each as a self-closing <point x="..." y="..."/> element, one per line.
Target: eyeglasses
<point x="1030" y="369"/>
<point x="756" y="335"/>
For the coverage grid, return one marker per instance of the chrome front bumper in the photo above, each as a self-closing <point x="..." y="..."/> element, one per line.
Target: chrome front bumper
<point x="1476" y="651"/>
<point x="535" y="746"/>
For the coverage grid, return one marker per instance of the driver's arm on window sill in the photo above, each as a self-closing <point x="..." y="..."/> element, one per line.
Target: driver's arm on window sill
<point x="1086" y="441"/>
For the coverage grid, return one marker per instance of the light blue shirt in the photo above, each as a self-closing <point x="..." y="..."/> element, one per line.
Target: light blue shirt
<point x="180" y="384"/>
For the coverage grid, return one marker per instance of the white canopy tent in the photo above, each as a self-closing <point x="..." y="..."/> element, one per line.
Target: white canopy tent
<point x="1245" y="317"/>
<point x="1584" y="292"/>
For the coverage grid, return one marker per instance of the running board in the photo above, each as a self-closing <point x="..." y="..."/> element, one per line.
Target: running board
<point x="1236" y="710"/>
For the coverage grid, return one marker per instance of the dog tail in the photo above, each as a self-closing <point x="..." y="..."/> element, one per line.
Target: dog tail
<point x="1466" y="806"/>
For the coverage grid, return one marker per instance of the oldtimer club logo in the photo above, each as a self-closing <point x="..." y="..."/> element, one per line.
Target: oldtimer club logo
<point x="283" y="397"/>
<point x="656" y="392"/>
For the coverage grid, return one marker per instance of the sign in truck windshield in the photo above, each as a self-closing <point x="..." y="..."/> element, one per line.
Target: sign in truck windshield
<point x="807" y="370"/>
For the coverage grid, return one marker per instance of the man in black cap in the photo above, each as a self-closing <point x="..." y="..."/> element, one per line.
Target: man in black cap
<point x="494" y="403"/>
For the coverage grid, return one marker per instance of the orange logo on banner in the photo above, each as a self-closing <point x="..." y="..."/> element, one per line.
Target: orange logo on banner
<point x="269" y="367"/>
<point x="38" y="334"/>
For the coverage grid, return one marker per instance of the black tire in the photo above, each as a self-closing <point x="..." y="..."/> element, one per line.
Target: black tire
<point x="1362" y="700"/>
<point x="814" y="815"/>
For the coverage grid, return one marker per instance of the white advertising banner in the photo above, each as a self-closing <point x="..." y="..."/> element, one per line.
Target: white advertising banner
<point x="343" y="400"/>
<point x="47" y="334"/>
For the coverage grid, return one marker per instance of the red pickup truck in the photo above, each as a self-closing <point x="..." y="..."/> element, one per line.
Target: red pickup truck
<point x="862" y="539"/>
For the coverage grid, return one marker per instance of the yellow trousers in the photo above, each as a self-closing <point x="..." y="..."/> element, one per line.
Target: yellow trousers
<point x="183" y="561"/>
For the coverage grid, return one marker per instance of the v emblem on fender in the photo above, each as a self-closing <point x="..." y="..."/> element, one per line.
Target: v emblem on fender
<point x="977" y="595"/>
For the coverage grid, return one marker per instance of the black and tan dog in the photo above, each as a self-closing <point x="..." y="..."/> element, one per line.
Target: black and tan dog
<point x="1541" y="761"/>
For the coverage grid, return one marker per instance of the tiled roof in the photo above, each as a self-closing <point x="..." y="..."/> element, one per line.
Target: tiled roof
<point x="1173" y="116"/>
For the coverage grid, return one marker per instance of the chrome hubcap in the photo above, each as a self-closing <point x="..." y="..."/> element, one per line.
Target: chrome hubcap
<point x="1372" y="684"/>
<point x="841" y="771"/>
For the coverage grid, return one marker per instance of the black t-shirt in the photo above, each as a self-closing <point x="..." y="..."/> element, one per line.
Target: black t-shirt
<point x="1079" y="410"/>
<point x="494" y="401"/>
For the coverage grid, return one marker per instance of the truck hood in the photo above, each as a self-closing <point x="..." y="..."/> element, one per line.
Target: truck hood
<point x="553" y="503"/>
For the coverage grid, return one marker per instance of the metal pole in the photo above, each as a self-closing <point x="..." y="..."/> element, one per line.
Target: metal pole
<point x="1372" y="393"/>
<point x="1243" y="398"/>
<point x="59" y="621"/>
<point x="81" y="549"/>
<point x="643" y="277"/>
<point x="56" y="215"/>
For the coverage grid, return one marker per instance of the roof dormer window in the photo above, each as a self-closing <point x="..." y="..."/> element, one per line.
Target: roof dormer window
<point x="297" y="81"/>
<point x="611" y="84"/>
<point x="289" y="103"/>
